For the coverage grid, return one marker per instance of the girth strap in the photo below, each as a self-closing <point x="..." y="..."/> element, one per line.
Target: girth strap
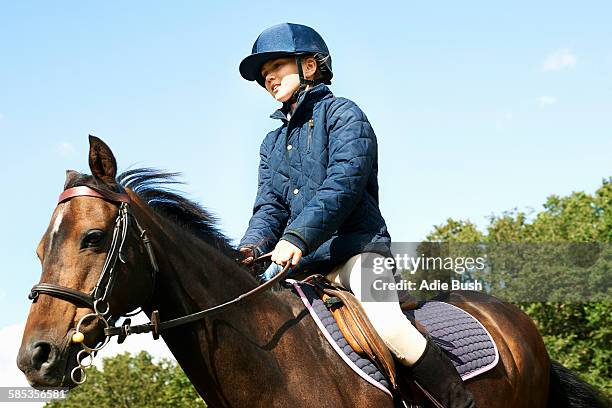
<point x="71" y="295"/>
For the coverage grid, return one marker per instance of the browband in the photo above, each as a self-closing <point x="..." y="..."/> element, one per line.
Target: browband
<point x="84" y="191"/>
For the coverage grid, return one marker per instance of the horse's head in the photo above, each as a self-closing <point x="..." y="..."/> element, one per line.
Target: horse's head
<point x="93" y="259"/>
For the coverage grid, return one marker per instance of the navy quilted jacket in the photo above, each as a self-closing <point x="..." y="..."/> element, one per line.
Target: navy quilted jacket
<point x="318" y="186"/>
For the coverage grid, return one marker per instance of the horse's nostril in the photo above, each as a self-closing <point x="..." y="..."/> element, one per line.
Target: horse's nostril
<point x="41" y="353"/>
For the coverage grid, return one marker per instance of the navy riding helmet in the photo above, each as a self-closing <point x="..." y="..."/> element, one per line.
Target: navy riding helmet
<point x="284" y="40"/>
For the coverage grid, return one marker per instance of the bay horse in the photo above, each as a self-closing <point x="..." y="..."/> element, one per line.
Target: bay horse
<point x="263" y="352"/>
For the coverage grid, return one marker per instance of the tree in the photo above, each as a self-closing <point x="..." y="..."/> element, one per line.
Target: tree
<point x="557" y="266"/>
<point x="133" y="381"/>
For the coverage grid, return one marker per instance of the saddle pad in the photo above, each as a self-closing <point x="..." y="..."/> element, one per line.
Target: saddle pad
<point x="467" y="343"/>
<point x="328" y="326"/>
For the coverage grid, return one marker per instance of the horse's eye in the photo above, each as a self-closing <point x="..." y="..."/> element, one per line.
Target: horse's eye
<point x="92" y="239"/>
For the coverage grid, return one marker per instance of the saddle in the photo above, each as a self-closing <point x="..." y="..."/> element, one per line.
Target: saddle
<point x="356" y="327"/>
<point x="359" y="332"/>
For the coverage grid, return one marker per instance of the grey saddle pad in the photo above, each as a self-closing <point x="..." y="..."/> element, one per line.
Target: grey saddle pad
<point x="467" y="343"/>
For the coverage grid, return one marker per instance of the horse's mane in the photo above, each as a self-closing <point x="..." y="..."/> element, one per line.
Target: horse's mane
<point x="155" y="187"/>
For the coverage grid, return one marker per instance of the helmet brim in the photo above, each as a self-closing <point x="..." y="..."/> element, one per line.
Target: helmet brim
<point x="250" y="67"/>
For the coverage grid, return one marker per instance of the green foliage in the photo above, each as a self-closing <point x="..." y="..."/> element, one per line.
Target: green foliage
<point x="133" y="381"/>
<point x="578" y="217"/>
<point x="456" y="231"/>
<point x="579" y="336"/>
<point x="577" y="333"/>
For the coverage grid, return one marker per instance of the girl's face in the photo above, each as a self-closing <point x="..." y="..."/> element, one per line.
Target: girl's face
<point x="281" y="76"/>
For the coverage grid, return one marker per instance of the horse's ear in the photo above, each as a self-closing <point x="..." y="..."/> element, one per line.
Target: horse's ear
<point x="101" y="161"/>
<point x="70" y="174"/>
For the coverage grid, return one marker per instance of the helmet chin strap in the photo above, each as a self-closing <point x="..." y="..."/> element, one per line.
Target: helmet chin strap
<point x="303" y="82"/>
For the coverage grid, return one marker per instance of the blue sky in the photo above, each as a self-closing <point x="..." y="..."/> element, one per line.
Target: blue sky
<point x="479" y="107"/>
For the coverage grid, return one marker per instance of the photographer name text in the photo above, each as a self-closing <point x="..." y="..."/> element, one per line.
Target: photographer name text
<point x="435" y="284"/>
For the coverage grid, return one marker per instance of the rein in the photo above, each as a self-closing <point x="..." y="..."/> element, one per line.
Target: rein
<point x="155" y="326"/>
<point x="97" y="299"/>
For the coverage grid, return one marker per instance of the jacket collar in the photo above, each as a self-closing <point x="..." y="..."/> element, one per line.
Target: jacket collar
<point x="308" y="98"/>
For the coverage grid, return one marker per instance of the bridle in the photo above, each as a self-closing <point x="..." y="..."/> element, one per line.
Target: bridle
<point x="98" y="298"/>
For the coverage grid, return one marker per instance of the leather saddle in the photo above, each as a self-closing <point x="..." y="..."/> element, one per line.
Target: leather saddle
<point x="363" y="338"/>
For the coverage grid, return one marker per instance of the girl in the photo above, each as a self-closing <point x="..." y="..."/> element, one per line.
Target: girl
<point x="317" y="199"/>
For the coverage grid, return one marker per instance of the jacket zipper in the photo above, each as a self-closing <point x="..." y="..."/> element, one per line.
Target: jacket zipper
<point x="310" y="126"/>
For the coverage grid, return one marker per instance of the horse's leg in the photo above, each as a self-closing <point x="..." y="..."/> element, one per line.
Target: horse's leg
<point x="521" y="377"/>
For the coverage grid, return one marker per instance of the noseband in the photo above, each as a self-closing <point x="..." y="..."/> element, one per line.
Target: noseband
<point x="98" y="298"/>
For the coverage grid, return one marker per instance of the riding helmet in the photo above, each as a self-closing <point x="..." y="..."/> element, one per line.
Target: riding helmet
<point x="284" y="40"/>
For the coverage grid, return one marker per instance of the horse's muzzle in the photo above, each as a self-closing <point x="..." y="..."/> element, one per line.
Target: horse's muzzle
<point x="43" y="363"/>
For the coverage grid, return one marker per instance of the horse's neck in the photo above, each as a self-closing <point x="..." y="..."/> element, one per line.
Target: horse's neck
<point x="192" y="272"/>
<point x="194" y="276"/>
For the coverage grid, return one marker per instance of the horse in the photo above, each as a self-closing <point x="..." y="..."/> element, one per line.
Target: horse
<point x="262" y="352"/>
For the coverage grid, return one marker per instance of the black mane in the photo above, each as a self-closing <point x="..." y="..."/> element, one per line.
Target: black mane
<point x="154" y="188"/>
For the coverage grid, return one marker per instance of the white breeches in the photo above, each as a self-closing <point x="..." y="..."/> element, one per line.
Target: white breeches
<point x="402" y="338"/>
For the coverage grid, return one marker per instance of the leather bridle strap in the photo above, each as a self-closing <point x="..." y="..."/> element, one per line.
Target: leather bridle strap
<point x="61" y="292"/>
<point x="157" y="326"/>
<point x="86" y="191"/>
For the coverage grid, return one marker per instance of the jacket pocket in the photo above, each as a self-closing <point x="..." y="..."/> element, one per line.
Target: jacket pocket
<point x="309" y="135"/>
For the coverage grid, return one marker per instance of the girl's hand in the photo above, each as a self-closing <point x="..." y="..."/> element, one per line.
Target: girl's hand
<point x="285" y="252"/>
<point x="248" y="256"/>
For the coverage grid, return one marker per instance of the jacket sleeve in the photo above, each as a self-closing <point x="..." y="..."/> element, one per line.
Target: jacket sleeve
<point x="352" y="151"/>
<point x="270" y="214"/>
